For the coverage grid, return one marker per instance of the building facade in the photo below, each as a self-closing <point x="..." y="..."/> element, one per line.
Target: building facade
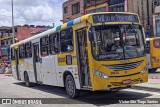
<point x="156" y="18"/>
<point x="72" y="9"/>
<point x="92" y="6"/>
<point x="144" y="8"/>
<point x="6" y="38"/>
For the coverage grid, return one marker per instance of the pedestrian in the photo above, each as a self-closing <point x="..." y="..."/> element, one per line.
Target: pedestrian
<point x="2" y="69"/>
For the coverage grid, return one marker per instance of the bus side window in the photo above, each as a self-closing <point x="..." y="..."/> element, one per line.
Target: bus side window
<point x="28" y="50"/>
<point x="44" y="46"/>
<point x="67" y="40"/>
<point x="12" y="54"/>
<point x="22" y="52"/>
<point x="54" y="43"/>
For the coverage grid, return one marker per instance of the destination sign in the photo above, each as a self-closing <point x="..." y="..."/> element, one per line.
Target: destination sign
<point x="99" y="18"/>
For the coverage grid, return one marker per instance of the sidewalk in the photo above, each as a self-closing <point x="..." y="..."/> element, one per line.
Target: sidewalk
<point x="3" y="75"/>
<point x="153" y="84"/>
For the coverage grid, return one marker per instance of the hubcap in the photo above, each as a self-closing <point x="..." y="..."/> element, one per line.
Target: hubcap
<point x="70" y="86"/>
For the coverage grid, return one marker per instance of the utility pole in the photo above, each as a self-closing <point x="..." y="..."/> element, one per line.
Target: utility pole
<point x="13" y="32"/>
<point x="142" y="9"/>
<point x="148" y="19"/>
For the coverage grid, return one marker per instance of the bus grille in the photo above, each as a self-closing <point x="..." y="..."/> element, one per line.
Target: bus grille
<point x="124" y="66"/>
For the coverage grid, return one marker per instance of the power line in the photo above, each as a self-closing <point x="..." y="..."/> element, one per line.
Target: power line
<point x="49" y="20"/>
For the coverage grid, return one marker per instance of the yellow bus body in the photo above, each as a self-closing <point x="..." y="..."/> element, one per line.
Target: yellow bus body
<point x="116" y="78"/>
<point x="154" y="53"/>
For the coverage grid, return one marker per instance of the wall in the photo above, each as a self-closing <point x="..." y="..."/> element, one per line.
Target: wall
<point x="26" y="32"/>
<point x="140" y="7"/>
<point x="0" y="47"/>
<point x="68" y="16"/>
<point x="22" y="33"/>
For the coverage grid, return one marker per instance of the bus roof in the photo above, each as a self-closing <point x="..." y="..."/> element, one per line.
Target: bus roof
<point x="147" y="39"/>
<point x="63" y="26"/>
<point x="157" y="37"/>
<point x="152" y="38"/>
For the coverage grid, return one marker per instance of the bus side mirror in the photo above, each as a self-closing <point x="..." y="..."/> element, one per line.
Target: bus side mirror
<point x="69" y="48"/>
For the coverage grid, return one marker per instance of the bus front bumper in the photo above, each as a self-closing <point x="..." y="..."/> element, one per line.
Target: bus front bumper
<point x="119" y="82"/>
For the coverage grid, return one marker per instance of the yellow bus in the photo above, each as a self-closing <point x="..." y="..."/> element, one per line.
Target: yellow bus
<point x="153" y="53"/>
<point x="99" y="51"/>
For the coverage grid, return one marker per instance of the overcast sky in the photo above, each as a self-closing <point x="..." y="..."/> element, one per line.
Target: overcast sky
<point x="32" y="12"/>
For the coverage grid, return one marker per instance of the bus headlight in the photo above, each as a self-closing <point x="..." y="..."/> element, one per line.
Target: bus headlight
<point x="100" y="74"/>
<point x="144" y="70"/>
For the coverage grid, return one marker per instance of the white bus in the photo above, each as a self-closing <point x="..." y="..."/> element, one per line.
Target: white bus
<point x="82" y="54"/>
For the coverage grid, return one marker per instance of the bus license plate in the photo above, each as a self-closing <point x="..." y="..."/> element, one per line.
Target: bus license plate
<point x="127" y="82"/>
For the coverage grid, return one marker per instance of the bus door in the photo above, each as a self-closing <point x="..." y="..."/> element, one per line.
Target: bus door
<point x="83" y="64"/>
<point x="17" y="64"/>
<point x="148" y="53"/>
<point x="36" y="63"/>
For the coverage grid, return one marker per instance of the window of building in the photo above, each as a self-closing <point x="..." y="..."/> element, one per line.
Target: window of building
<point x="67" y="40"/>
<point x="4" y="51"/>
<point x="114" y="2"/>
<point x="101" y="9"/>
<point x="54" y="43"/>
<point x="9" y="33"/>
<point x="28" y="50"/>
<point x="11" y="41"/>
<point x="117" y="8"/>
<point x="16" y="30"/>
<point x="6" y="42"/>
<point x="65" y="9"/>
<point x="44" y="46"/>
<point x="2" y="43"/>
<point x="75" y="8"/>
<point x="2" y="34"/>
<point x="157" y="27"/>
<point x="22" y="52"/>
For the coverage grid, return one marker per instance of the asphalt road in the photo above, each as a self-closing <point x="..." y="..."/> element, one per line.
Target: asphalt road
<point x="11" y="88"/>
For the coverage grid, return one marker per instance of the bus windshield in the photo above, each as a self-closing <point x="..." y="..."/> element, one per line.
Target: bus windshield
<point x="117" y="42"/>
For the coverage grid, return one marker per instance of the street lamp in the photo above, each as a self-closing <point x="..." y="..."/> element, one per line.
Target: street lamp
<point x="13" y="32"/>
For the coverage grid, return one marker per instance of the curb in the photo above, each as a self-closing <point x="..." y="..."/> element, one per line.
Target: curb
<point x="146" y="88"/>
<point x="9" y="75"/>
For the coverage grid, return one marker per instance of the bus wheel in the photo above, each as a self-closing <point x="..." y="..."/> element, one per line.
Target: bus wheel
<point x="71" y="87"/>
<point x="26" y="79"/>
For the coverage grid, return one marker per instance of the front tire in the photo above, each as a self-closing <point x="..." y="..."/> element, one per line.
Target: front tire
<point x="71" y="87"/>
<point x="26" y="80"/>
